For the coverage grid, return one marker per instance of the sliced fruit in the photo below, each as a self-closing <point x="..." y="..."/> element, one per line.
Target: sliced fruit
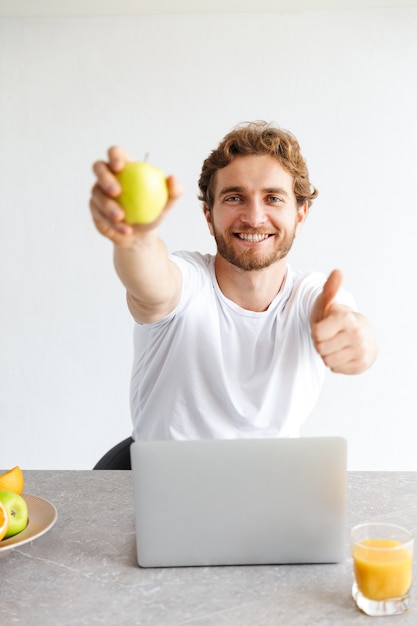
<point x="4" y="521"/>
<point x="12" y="480"/>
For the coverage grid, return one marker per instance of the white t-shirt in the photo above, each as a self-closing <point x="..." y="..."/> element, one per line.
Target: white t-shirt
<point x="211" y="369"/>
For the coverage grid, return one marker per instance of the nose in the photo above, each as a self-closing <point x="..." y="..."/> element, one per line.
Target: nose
<point x="253" y="213"/>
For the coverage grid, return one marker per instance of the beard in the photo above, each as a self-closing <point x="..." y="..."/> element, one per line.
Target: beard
<point x="252" y="259"/>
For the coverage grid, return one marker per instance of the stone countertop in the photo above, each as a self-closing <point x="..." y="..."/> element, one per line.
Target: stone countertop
<point x="84" y="570"/>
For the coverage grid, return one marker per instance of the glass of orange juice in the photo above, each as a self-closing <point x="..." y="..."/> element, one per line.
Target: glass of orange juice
<point x="382" y="563"/>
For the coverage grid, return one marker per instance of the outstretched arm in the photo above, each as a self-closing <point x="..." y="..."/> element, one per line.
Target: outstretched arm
<point x="153" y="282"/>
<point x="344" y="338"/>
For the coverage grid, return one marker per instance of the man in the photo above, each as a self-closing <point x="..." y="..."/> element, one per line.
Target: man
<point x="236" y="344"/>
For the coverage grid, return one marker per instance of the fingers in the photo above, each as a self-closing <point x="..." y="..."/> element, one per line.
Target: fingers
<point x="117" y="158"/>
<point x="106" y="212"/>
<point x="108" y="216"/>
<point x="106" y="181"/>
<point x="347" y="350"/>
<point x="332" y="334"/>
<point x="106" y="206"/>
<point x="105" y="171"/>
<point x="341" y="317"/>
<point x="345" y="341"/>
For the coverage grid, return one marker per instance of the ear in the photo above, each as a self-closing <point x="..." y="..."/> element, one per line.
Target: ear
<point x="208" y="216"/>
<point x="301" y="215"/>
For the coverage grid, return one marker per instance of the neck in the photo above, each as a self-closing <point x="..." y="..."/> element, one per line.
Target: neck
<point x="252" y="290"/>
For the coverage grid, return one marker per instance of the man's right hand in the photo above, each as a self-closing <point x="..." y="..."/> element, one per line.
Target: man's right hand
<point x="108" y="215"/>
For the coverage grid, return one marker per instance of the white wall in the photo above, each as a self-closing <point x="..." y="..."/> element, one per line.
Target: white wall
<point x="343" y="81"/>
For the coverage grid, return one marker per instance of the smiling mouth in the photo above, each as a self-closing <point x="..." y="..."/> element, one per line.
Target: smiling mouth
<point x="253" y="237"/>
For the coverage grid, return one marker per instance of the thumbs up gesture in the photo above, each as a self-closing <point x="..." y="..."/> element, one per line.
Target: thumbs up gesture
<point x="343" y="338"/>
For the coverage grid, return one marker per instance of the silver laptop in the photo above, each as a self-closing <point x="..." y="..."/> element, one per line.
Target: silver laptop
<point x="239" y="502"/>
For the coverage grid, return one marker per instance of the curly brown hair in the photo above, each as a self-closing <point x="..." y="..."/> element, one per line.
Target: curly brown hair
<point x="258" y="138"/>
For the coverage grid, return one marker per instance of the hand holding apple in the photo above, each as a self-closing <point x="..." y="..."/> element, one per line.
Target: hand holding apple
<point x="144" y="192"/>
<point x="108" y="215"/>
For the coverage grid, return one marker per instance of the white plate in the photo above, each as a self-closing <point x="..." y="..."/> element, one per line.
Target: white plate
<point x="42" y="516"/>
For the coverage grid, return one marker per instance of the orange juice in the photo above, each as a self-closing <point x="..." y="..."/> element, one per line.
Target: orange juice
<point x="383" y="568"/>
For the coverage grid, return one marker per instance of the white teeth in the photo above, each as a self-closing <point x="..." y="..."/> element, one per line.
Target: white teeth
<point x="253" y="237"/>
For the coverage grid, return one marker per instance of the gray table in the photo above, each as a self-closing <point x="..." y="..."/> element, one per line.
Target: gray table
<point x="84" y="571"/>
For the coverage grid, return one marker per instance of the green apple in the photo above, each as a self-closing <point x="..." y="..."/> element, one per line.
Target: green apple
<point x="17" y="510"/>
<point x="144" y="192"/>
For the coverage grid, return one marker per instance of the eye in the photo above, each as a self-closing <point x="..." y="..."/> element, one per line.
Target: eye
<point x="232" y="199"/>
<point x="274" y="199"/>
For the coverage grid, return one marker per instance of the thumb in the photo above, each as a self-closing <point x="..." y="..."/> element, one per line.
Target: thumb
<point x="175" y="190"/>
<point x="330" y="289"/>
<point x="175" y="187"/>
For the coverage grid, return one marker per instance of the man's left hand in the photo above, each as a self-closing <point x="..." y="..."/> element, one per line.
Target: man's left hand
<point x="343" y="338"/>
